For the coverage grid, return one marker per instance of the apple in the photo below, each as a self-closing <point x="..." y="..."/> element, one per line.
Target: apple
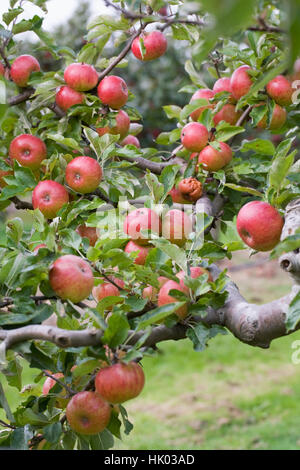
<point x="241" y="82"/>
<point x="28" y="150"/>
<point x="228" y="114"/>
<point x="196" y="271"/>
<point x="178" y="197"/>
<point x="259" y="225"/>
<point x="106" y="289"/>
<point x="88" y="232"/>
<point x="83" y="174"/>
<point x="194" y="136"/>
<point x="142" y="252"/>
<point x="177" y="226"/>
<point x="36" y="249"/>
<point x="49" y="197"/>
<point x="223" y="84"/>
<point x="87" y="413"/>
<point x="141" y="219"/>
<point x="4" y="173"/>
<point x="81" y="77"/>
<point x="67" y="97"/>
<point x="121" y="127"/>
<point x="280" y="90"/>
<point x="131" y="140"/>
<point x="71" y="278"/>
<point x="163" y="11"/>
<point x="21" y="69"/>
<point x="113" y="91"/>
<point x="213" y="159"/>
<point x="277" y="121"/>
<point x="49" y="382"/>
<point x="2" y="70"/>
<point x="164" y="298"/>
<point x="154" y="45"/>
<point x="191" y="189"/>
<point x="151" y="293"/>
<point x="204" y="94"/>
<point x="120" y="382"/>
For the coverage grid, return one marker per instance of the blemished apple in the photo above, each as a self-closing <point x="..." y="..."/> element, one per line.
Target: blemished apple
<point x="141" y="219"/>
<point x="259" y="225"/>
<point x="120" y="382"/>
<point x="280" y="90"/>
<point x="195" y="271"/>
<point x="241" y="82"/>
<point x="224" y="84"/>
<point x="88" y="232"/>
<point x="87" y="413"/>
<point x="67" y="97"/>
<point x="71" y="278"/>
<point x="177" y="226"/>
<point x="21" y="69"/>
<point x="154" y="43"/>
<point x="194" y="136"/>
<point x="178" y="197"/>
<point x="204" y="94"/>
<point x="49" y="197"/>
<point x="213" y="159"/>
<point x="83" y="174"/>
<point x="81" y="77"/>
<point x="164" y="298"/>
<point x="131" y="140"/>
<point x="278" y="119"/>
<point x="28" y="150"/>
<point x="228" y="114"/>
<point x="113" y="91"/>
<point x="141" y="252"/>
<point x="191" y="189"/>
<point x="121" y="127"/>
<point x="151" y="293"/>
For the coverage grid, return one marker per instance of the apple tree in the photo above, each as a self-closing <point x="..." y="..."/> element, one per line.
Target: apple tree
<point x="109" y="248"/>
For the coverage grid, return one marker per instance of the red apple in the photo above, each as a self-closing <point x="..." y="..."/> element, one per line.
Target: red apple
<point x="81" y="77"/>
<point x="177" y="226"/>
<point x="223" y="84"/>
<point x="194" y="136"/>
<point x="2" y="70"/>
<point x="49" y="382"/>
<point x="164" y="298"/>
<point x="142" y="252"/>
<point x="21" y="69"/>
<point x="36" y="249"/>
<point x="113" y="91"/>
<point x="163" y="11"/>
<point x="67" y="97"/>
<point x="121" y="127"/>
<point x="196" y="271"/>
<point x="178" y="197"/>
<point x="259" y="225"/>
<point x="155" y="44"/>
<point x="87" y="413"/>
<point x="204" y="94"/>
<point x="241" y="82"/>
<point x="228" y="114"/>
<point x="278" y="119"/>
<point x="191" y="189"/>
<point x="49" y="197"/>
<point x="28" y="150"/>
<point x="280" y="89"/>
<point x="3" y="174"/>
<point x="131" y="140"/>
<point x="141" y="219"/>
<point x="106" y="289"/>
<point x="71" y="278"/>
<point x="151" y="293"/>
<point x="120" y="382"/>
<point x="88" y="232"/>
<point x="83" y="174"/>
<point x="214" y="160"/>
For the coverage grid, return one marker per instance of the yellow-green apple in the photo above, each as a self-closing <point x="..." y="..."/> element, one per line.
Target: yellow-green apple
<point x="280" y="90"/>
<point x="259" y="225"/>
<point x="121" y="127"/>
<point x="278" y="119"/>
<point x="67" y="97"/>
<point x="120" y="382"/>
<point x="71" y="278"/>
<point x="151" y="293"/>
<point x="154" y="45"/>
<point x="164" y="297"/>
<point x="113" y="91"/>
<point x="131" y="140"/>
<point x="83" y="174"/>
<point x="21" y="69"/>
<point x="49" y="197"/>
<point x="194" y="136"/>
<point x="88" y="232"/>
<point x="191" y="189"/>
<point x="204" y="94"/>
<point x="81" y="77"/>
<point x="87" y="413"/>
<point x="28" y="150"/>
<point x="228" y="114"/>
<point x="141" y="252"/>
<point x="241" y="82"/>
<point x="177" y="226"/>
<point x="213" y="159"/>
<point x="141" y="219"/>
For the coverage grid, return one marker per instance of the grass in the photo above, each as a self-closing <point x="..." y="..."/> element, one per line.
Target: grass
<point x="231" y="396"/>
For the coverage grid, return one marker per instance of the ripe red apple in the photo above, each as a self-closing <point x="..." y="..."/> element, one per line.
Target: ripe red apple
<point x="49" y="382"/>
<point x="67" y="97"/>
<point x="87" y="413"/>
<point x="196" y="271"/>
<point x="177" y="226"/>
<point x="2" y="70"/>
<point x="141" y="219"/>
<point x="49" y="197"/>
<point x="280" y="89"/>
<point x="28" y="150"/>
<point x="228" y="114"/>
<point x="88" y="232"/>
<point x="131" y="140"/>
<point x="223" y="84"/>
<point x="151" y="293"/>
<point x="164" y="298"/>
<point x="259" y="225"/>
<point x="163" y="11"/>
<point x="83" y="174"/>
<point x="194" y="136"/>
<point x="204" y="94"/>
<point x="81" y="77"/>
<point x="106" y="289"/>
<point x="21" y="69"/>
<point x="213" y="159"/>
<point x="241" y="82"/>
<point x="121" y="127"/>
<point x="191" y="189"/>
<point x="120" y="382"/>
<point x="113" y="91"/>
<point x="155" y="44"/>
<point x="71" y="278"/>
<point x="278" y="119"/>
<point x="142" y="251"/>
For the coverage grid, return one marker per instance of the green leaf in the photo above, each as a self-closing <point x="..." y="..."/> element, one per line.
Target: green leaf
<point x="244" y="189"/>
<point x="52" y="432"/>
<point x="158" y="314"/>
<point x="117" y="330"/>
<point x="21" y="437"/>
